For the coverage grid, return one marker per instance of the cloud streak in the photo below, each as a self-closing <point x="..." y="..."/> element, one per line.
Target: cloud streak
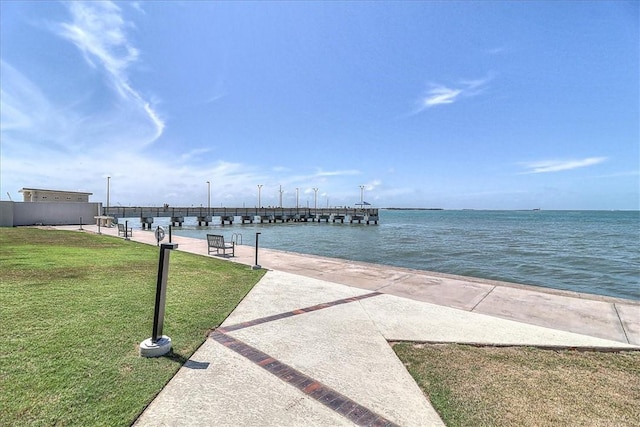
<point x="439" y="94"/>
<point x="548" y="166"/>
<point x="98" y="30"/>
<point x="346" y="172"/>
<point x="88" y="131"/>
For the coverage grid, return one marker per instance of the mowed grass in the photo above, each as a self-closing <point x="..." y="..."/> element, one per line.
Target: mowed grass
<point x="518" y="386"/>
<point x="73" y="309"/>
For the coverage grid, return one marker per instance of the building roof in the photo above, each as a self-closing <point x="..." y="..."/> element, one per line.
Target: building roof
<point x="54" y="191"/>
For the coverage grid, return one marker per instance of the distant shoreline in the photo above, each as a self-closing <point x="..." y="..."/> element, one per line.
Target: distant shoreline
<point x="412" y="209"/>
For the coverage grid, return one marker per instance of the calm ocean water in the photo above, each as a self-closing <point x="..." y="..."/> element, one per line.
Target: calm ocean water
<point x="595" y="252"/>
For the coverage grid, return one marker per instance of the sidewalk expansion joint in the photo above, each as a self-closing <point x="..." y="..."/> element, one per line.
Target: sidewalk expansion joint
<point x="296" y="312"/>
<point x="482" y="299"/>
<point x="624" y="331"/>
<point x="330" y="398"/>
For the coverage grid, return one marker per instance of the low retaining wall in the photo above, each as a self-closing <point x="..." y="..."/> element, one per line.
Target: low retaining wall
<point x="13" y="214"/>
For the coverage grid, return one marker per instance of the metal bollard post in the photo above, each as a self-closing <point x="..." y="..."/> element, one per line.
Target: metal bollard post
<point x="169" y="233"/>
<point x="126" y="230"/>
<point x="159" y="344"/>
<point x="256" y="266"/>
<point x="161" y="290"/>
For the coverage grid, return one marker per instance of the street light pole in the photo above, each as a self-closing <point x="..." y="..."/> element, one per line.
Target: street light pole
<point x="259" y="188"/>
<point x="208" y="198"/>
<point x="108" y="190"/>
<point x="362" y="196"/>
<point x="315" y="198"/>
<point x="297" y="194"/>
<point x="281" y="196"/>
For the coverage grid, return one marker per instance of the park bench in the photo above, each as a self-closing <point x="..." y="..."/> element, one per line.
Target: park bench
<point x="126" y="232"/>
<point x="216" y="241"/>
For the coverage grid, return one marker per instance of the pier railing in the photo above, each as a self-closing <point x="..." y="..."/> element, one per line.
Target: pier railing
<point x="340" y="213"/>
<point x="155" y="211"/>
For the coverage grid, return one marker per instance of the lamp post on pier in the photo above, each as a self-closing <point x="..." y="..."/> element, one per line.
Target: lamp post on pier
<point x="108" y="190"/>
<point x="315" y="198"/>
<point x="297" y="195"/>
<point x="259" y="188"/>
<point x="362" y="196"/>
<point x="208" y="198"/>
<point x="281" y="196"/>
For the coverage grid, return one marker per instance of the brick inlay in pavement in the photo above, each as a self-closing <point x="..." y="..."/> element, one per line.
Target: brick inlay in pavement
<point x="332" y="399"/>
<point x="295" y="312"/>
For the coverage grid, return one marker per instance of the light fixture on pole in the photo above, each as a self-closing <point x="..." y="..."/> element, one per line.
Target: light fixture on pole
<point x="362" y="196"/>
<point x="315" y="198"/>
<point x="297" y="196"/>
<point x="208" y="198"/>
<point x="281" y="196"/>
<point x="108" y="190"/>
<point x="259" y="188"/>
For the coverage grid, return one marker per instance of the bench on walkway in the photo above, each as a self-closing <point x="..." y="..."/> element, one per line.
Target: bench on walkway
<point x="216" y="241"/>
<point x="124" y="232"/>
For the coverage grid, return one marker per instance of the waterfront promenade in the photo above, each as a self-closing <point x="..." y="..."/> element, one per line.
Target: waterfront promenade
<point x="309" y="344"/>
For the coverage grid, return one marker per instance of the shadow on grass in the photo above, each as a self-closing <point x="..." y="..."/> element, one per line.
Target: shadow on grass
<point x="184" y="361"/>
<point x="176" y="357"/>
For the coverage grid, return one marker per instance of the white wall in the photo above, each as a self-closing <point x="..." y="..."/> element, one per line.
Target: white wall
<point x="14" y="214"/>
<point x="6" y="214"/>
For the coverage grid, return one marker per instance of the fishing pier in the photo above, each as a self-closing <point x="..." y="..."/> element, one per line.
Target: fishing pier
<point x="243" y="215"/>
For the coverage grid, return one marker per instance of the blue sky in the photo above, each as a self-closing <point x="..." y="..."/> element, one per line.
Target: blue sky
<point x="485" y="105"/>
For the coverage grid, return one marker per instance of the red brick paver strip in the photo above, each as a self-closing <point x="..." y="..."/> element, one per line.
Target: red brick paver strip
<point x="296" y="312"/>
<point x="332" y="399"/>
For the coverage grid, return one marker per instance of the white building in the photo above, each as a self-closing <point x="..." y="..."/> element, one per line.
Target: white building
<point x="40" y="195"/>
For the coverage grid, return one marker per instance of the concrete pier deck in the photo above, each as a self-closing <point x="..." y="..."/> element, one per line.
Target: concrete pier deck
<point x="309" y="344"/>
<point x="367" y="215"/>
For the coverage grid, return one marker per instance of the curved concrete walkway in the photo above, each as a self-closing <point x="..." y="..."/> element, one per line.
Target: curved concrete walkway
<point x="309" y="344"/>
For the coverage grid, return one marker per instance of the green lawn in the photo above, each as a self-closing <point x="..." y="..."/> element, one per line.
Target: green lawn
<point x="73" y="309"/>
<point x="522" y="386"/>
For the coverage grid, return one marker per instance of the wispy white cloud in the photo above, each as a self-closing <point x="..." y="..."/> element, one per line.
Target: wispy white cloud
<point x="346" y="172"/>
<point x="372" y="185"/>
<point x="320" y="177"/>
<point x="72" y="143"/>
<point x="195" y="153"/>
<point x="279" y="169"/>
<point x="546" y="166"/>
<point x="137" y="6"/>
<point x="439" y="94"/>
<point x="23" y="103"/>
<point x="98" y="30"/>
<point x="29" y="118"/>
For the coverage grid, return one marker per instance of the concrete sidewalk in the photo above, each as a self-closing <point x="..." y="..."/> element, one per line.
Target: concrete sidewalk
<point x="598" y="316"/>
<point x="309" y="344"/>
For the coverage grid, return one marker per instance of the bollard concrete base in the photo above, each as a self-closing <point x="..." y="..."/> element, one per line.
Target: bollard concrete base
<point x="161" y="347"/>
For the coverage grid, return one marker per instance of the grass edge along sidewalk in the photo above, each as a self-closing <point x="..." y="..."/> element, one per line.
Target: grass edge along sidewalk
<point x="75" y="306"/>
<point x="525" y="386"/>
